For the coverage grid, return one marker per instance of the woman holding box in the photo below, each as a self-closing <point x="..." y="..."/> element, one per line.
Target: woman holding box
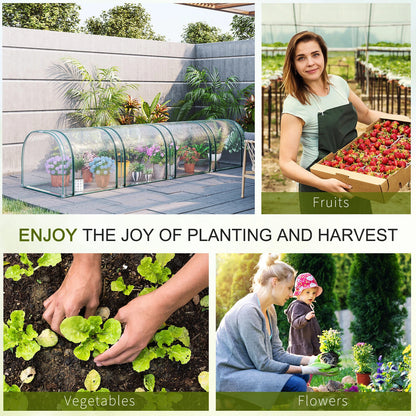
<point x="320" y="111"/>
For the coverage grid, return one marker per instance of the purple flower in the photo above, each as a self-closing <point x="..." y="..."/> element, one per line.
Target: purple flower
<point x="352" y="389"/>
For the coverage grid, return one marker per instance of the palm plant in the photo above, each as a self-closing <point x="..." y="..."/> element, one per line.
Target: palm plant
<point x="95" y="96"/>
<point x="219" y="99"/>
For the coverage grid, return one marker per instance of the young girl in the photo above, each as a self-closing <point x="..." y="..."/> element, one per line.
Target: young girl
<point x="304" y="327"/>
<point x="250" y="355"/>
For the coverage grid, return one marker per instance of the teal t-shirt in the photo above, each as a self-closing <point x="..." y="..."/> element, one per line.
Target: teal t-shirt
<point x="339" y="92"/>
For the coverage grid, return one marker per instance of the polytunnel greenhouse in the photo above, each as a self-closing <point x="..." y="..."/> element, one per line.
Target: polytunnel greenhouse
<point x="77" y="161"/>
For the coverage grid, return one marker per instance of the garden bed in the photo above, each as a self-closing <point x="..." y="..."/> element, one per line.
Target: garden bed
<point x="57" y="369"/>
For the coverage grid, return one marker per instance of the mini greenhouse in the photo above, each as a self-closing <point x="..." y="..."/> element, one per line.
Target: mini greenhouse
<point x="82" y="160"/>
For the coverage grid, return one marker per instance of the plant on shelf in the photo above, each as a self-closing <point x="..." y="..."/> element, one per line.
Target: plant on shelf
<point x="59" y="167"/>
<point x="218" y="99"/>
<point x="190" y="156"/>
<point x="363" y="355"/>
<point x="101" y="167"/>
<point x="96" y="96"/>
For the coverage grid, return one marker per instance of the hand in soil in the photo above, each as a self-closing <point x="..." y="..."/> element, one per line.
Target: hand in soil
<point x="80" y="288"/>
<point x="144" y="315"/>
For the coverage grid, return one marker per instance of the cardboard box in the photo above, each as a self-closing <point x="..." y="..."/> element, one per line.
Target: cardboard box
<point x="368" y="187"/>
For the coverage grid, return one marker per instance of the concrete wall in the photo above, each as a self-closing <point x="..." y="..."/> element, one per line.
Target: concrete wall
<point x="345" y="317"/>
<point x="31" y="97"/>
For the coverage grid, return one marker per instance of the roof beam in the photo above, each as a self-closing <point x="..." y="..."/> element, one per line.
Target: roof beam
<point x="235" y="8"/>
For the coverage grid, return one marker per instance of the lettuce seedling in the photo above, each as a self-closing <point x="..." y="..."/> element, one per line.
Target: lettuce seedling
<point x="119" y="286"/>
<point x="156" y="272"/>
<point x="14" y="388"/>
<point x="164" y="340"/>
<point x="203" y="379"/>
<point x="92" y="382"/>
<point x="16" y="272"/>
<point x="14" y="335"/>
<point x="90" y="335"/>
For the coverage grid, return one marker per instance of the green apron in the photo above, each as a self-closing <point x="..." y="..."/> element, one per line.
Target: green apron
<point x="336" y="128"/>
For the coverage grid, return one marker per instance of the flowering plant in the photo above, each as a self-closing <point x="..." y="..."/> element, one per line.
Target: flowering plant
<point x="58" y="165"/>
<point x="392" y="376"/>
<point x="88" y="157"/>
<point x="363" y="355"/>
<point x="152" y="153"/>
<point x="188" y="154"/>
<point x="102" y="165"/>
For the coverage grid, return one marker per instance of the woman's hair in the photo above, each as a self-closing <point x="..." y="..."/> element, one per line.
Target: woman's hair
<point x="292" y="81"/>
<point x="269" y="266"/>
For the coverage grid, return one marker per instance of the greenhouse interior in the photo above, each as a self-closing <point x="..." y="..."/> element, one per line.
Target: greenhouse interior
<point x="78" y="161"/>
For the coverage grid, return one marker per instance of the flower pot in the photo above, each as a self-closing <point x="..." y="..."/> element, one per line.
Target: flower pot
<point x="189" y="167"/>
<point x="56" y="180"/>
<point x="363" y="378"/>
<point x="79" y="185"/>
<point x="159" y="171"/>
<point x="86" y="175"/>
<point x="148" y="177"/>
<point x="215" y="157"/>
<point x="102" y="181"/>
<point x="137" y="176"/>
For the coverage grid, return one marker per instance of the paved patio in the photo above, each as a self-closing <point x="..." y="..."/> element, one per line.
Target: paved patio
<point x="209" y="193"/>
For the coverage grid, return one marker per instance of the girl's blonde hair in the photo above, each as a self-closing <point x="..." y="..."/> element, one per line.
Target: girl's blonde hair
<point x="268" y="267"/>
<point x="292" y="81"/>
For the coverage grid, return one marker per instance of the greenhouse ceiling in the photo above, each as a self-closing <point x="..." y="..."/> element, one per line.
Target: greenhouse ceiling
<point x="341" y="24"/>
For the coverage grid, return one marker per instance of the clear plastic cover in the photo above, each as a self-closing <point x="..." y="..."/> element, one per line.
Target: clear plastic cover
<point x="77" y="161"/>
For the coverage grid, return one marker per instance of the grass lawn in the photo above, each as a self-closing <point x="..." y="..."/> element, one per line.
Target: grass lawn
<point x="13" y="206"/>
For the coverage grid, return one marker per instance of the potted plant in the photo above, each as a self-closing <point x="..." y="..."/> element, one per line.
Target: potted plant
<point x="158" y="160"/>
<point x="87" y="157"/>
<point x="101" y="167"/>
<point x="190" y="157"/>
<point x="363" y="355"/>
<point x="148" y="174"/>
<point x="137" y="169"/>
<point x="78" y="181"/>
<point x="59" y="168"/>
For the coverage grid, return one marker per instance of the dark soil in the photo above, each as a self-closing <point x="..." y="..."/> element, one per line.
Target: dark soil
<point x="57" y="369"/>
<point x="331" y="358"/>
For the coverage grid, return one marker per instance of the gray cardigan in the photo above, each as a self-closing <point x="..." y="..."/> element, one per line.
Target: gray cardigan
<point x="247" y="357"/>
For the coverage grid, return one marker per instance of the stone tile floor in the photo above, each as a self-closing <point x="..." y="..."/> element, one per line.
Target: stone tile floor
<point x="210" y="193"/>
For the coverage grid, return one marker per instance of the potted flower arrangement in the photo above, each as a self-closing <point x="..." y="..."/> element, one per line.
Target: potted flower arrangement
<point x="158" y="160"/>
<point x="59" y="168"/>
<point x="87" y="157"/>
<point x="363" y="355"/>
<point x="137" y="169"/>
<point x="190" y="156"/>
<point x="101" y="167"/>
